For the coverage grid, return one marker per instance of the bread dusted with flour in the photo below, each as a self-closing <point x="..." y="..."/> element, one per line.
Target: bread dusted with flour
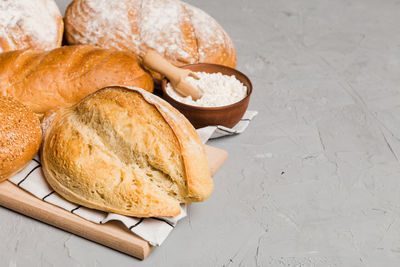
<point x="43" y="80"/>
<point x="20" y="137"/>
<point x="125" y="151"/>
<point x="182" y="33"/>
<point x="34" y="24"/>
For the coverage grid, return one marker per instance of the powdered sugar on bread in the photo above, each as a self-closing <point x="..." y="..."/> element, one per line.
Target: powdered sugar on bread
<point x="110" y="15"/>
<point x="208" y="32"/>
<point x="182" y="33"/>
<point x="161" y="29"/>
<point x="29" y="23"/>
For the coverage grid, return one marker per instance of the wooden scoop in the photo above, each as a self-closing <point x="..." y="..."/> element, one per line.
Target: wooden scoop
<point x="175" y="75"/>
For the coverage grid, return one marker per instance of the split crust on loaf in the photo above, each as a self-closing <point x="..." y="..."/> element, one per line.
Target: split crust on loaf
<point x="125" y="151"/>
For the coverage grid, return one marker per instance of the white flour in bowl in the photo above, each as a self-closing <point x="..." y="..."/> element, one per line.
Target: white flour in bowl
<point x="217" y="89"/>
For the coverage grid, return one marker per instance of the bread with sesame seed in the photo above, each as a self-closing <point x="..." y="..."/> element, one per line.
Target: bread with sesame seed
<point x="20" y="136"/>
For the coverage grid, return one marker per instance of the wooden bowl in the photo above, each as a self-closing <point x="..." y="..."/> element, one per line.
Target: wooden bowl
<point x="227" y="116"/>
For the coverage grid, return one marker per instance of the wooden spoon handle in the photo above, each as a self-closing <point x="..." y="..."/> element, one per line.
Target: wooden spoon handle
<point x="175" y="75"/>
<point x="158" y="63"/>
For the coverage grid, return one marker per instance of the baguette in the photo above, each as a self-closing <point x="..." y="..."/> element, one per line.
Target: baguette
<point x="44" y="80"/>
<point x="125" y="151"/>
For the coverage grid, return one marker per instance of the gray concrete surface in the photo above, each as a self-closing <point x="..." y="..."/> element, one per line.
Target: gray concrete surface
<point x="314" y="181"/>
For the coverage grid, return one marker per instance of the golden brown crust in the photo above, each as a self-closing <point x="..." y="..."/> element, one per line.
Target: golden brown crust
<point x="43" y="80"/>
<point x="192" y="149"/>
<point x="182" y="33"/>
<point x="125" y="151"/>
<point x="20" y="136"/>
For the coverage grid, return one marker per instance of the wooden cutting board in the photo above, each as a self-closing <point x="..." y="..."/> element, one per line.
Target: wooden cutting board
<point x="112" y="234"/>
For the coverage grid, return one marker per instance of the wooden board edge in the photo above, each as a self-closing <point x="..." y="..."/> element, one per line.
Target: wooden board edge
<point x="110" y="234"/>
<point x="216" y="163"/>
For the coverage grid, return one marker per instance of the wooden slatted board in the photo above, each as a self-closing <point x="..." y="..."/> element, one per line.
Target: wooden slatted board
<point x="112" y="234"/>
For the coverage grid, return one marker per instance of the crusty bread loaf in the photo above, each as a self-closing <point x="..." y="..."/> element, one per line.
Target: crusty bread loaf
<point x="30" y="24"/>
<point x="125" y="151"/>
<point x="43" y="80"/>
<point x="180" y="32"/>
<point x="20" y="136"/>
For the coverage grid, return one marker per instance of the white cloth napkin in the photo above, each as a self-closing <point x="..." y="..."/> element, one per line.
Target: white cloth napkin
<point x="154" y="230"/>
<point x="212" y="132"/>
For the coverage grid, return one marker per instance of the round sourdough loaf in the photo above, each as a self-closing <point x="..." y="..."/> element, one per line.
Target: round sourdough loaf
<point x="125" y="151"/>
<point x="30" y="24"/>
<point x="182" y="33"/>
<point x="43" y="80"/>
<point x="20" y="136"/>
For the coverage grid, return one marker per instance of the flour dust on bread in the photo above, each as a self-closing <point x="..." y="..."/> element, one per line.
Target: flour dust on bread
<point x="20" y="136"/>
<point x="182" y="33"/>
<point x="125" y="151"/>
<point x="44" y="80"/>
<point x="34" y="24"/>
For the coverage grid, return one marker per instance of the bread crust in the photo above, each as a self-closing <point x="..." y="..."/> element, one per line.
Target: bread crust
<point x="43" y="80"/>
<point x="35" y="24"/>
<point x="20" y="137"/>
<point x="182" y="33"/>
<point x="93" y="134"/>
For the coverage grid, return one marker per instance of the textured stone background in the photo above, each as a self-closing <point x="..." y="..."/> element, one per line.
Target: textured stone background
<point x="314" y="181"/>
